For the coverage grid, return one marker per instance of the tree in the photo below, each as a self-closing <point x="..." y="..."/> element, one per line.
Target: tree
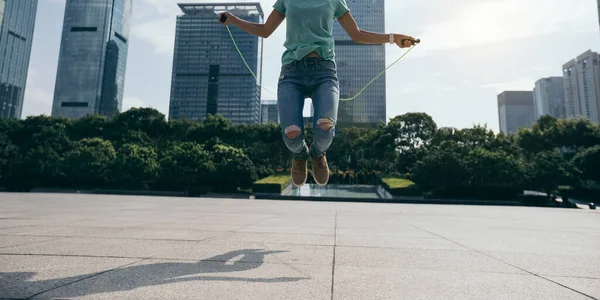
<point x="478" y="136"/>
<point x="135" y="166"/>
<point x="409" y="135"/>
<point x="147" y="120"/>
<point x="8" y="153"/>
<point x="233" y="168"/>
<point x="89" y="162"/>
<point x="577" y="134"/>
<point x="588" y="162"/>
<point x="543" y="135"/>
<point x="443" y="167"/>
<point x="212" y="127"/>
<point x="136" y="137"/>
<point x="549" y="169"/>
<point x="495" y="168"/>
<point x="186" y="165"/>
<point x="91" y="126"/>
<point x="411" y="131"/>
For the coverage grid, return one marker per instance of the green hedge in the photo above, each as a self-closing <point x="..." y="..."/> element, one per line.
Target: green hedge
<point x="272" y="184"/>
<point x="398" y="186"/>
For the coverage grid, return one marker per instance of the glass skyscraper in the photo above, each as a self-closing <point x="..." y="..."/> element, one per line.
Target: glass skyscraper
<point x="358" y="64"/>
<point x="93" y="56"/>
<point x="17" y="20"/>
<point x="269" y="112"/>
<point x="549" y="98"/>
<point x="208" y="75"/>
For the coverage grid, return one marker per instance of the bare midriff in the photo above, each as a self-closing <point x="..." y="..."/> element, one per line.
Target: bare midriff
<point x="313" y="54"/>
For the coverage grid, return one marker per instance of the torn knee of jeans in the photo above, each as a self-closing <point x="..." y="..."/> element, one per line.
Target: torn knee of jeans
<point x="292" y="132"/>
<point x="325" y="123"/>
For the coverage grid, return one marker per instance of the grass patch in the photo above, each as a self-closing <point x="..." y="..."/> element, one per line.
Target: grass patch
<point x="272" y="184"/>
<point x="398" y="186"/>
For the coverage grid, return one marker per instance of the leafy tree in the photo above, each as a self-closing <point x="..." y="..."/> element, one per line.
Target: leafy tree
<point x="495" y="168"/>
<point x="543" y="135"/>
<point x="136" y="137"/>
<point x="549" y="169"/>
<point x="214" y="126"/>
<point x="411" y="130"/>
<point x="91" y="126"/>
<point x="588" y="161"/>
<point x="409" y="134"/>
<point x="186" y="165"/>
<point x="89" y="162"/>
<point x="444" y="166"/>
<point x="147" y="120"/>
<point x="8" y="153"/>
<point x="135" y="166"/>
<point x="578" y="134"/>
<point x="233" y="168"/>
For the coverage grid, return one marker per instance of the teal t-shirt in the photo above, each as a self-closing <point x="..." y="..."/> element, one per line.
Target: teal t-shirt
<point x="309" y="27"/>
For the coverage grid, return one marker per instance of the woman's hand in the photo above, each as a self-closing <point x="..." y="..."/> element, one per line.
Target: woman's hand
<point x="229" y="18"/>
<point x="404" y="41"/>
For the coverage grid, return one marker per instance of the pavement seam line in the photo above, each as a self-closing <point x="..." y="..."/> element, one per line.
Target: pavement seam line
<point x="507" y="263"/>
<point x="79" y="280"/>
<point x="29" y="243"/>
<point x="333" y="262"/>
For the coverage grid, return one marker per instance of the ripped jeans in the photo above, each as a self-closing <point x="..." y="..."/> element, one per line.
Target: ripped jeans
<point x="314" y="78"/>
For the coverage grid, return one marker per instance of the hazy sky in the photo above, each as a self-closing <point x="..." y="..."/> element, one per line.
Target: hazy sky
<point x="471" y="51"/>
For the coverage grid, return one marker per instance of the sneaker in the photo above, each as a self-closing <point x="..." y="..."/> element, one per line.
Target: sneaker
<point x="320" y="170"/>
<point x="299" y="171"/>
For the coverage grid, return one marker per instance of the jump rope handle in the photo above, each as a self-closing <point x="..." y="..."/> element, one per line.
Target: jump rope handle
<point x="223" y="18"/>
<point x="412" y="42"/>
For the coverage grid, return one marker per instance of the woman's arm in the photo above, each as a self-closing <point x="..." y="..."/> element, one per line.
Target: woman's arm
<point x="366" y="37"/>
<point x="261" y="30"/>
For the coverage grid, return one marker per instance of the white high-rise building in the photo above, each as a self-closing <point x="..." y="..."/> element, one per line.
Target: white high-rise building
<point x="549" y="98"/>
<point x="581" y="78"/>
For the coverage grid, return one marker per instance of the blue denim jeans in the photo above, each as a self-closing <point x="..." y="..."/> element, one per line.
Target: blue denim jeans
<point x="314" y="78"/>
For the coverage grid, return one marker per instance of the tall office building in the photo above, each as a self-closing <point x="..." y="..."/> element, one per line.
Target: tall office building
<point x="269" y="112"/>
<point x="93" y="56"/>
<point x="17" y="20"/>
<point x="549" y="98"/>
<point x="515" y="110"/>
<point x="581" y="78"/>
<point x="358" y="64"/>
<point x="208" y="75"/>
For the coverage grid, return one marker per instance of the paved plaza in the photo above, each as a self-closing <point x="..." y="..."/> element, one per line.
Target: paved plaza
<point x="66" y="246"/>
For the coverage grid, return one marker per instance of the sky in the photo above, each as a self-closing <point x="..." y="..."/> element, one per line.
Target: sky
<point x="471" y="51"/>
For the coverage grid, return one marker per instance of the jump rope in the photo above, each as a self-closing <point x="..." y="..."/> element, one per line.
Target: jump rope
<point x="223" y="19"/>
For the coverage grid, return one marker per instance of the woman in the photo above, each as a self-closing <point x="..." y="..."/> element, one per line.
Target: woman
<point x="309" y="71"/>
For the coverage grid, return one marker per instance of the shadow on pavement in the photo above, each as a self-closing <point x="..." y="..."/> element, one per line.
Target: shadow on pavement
<point x="143" y="275"/>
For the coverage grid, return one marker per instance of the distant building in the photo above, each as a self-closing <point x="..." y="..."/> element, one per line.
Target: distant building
<point x="515" y="110"/>
<point x="358" y="64"/>
<point x="17" y="21"/>
<point x="208" y="75"/>
<point x="581" y="78"/>
<point x="549" y="98"/>
<point x="269" y="112"/>
<point x="93" y="58"/>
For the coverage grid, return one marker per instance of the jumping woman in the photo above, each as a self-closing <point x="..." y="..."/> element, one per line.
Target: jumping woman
<point x="309" y="71"/>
